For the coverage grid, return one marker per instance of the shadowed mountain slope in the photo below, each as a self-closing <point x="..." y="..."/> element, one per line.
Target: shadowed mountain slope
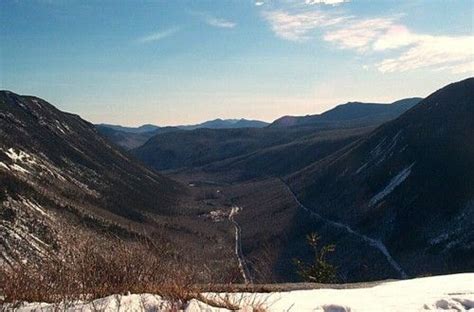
<point x="409" y="184"/>
<point x="203" y="146"/>
<point x="130" y="139"/>
<point x="226" y="124"/>
<point x="265" y="151"/>
<point x="54" y="164"/>
<point x="137" y="130"/>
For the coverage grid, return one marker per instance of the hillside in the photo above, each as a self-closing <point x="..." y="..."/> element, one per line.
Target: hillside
<point x="226" y="124"/>
<point x="133" y="137"/>
<point x="396" y="199"/>
<point x="130" y="139"/>
<point x="136" y="130"/>
<point x="256" y="152"/>
<point x="57" y="173"/>
<point x="353" y="114"/>
<point x="199" y="147"/>
<point x="410" y="184"/>
<point x="283" y="159"/>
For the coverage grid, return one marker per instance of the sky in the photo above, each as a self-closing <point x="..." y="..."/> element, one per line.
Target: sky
<point x="184" y="62"/>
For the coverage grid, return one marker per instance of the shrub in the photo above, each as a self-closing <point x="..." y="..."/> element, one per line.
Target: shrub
<point x="88" y="268"/>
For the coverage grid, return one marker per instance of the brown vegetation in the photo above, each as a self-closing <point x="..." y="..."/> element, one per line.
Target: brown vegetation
<point x="89" y="268"/>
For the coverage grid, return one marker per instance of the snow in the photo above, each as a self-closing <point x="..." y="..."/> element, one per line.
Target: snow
<point x="35" y="207"/>
<point x="20" y="156"/>
<point x="362" y="168"/>
<point x="3" y="165"/>
<point x="384" y="149"/>
<point x="392" y="185"/>
<point x="62" y="127"/>
<point x="439" y="293"/>
<point x="218" y="215"/>
<point x="19" y="168"/>
<point x="17" y="157"/>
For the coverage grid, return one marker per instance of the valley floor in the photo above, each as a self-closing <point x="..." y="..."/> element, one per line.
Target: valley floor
<point x="439" y="293"/>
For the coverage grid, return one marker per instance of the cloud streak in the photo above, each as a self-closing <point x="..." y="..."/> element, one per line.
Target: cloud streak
<point x="328" y="2"/>
<point x="214" y="21"/>
<point x="157" y="36"/>
<point x="378" y="37"/>
<point x="219" y="22"/>
<point x="440" y="53"/>
<point x="297" y="27"/>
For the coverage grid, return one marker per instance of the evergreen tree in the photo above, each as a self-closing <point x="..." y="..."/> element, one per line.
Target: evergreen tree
<point x="319" y="271"/>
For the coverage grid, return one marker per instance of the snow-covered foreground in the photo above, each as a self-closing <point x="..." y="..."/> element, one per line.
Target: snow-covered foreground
<point x="439" y="293"/>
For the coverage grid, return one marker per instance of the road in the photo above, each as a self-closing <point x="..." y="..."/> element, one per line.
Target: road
<point x="238" y="246"/>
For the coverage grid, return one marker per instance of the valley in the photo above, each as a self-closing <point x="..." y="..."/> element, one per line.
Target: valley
<point x="249" y="156"/>
<point x="319" y="172"/>
<point x="237" y="205"/>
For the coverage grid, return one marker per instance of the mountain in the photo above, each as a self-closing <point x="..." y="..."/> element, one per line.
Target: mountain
<point x="58" y="174"/>
<point x="354" y="114"/>
<point x="396" y="198"/>
<point x="194" y="148"/>
<point x="130" y="140"/>
<point x="140" y="129"/>
<point x="266" y="151"/>
<point x="292" y="155"/>
<point x="227" y="124"/>
<point x="409" y="185"/>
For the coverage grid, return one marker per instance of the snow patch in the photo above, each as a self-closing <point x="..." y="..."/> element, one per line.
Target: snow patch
<point x="392" y="185"/>
<point x="16" y="156"/>
<point x="218" y="215"/>
<point x="19" y="168"/>
<point x="35" y="207"/>
<point x="361" y="168"/>
<point x="62" y="127"/>
<point x="3" y="165"/>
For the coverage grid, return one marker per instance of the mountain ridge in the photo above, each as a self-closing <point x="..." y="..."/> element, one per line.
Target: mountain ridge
<point x="408" y="183"/>
<point x="359" y="113"/>
<point x="57" y="174"/>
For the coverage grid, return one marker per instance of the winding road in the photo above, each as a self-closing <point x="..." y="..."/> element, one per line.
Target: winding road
<point x="238" y="247"/>
<point x="372" y="242"/>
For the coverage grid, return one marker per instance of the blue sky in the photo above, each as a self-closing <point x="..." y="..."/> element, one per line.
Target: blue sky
<point x="181" y="62"/>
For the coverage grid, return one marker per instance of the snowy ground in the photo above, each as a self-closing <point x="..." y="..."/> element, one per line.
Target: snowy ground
<point x="440" y="293"/>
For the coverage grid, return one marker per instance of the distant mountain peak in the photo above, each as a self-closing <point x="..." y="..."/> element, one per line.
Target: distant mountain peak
<point x="350" y="113"/>
<point x="220" y="123"/>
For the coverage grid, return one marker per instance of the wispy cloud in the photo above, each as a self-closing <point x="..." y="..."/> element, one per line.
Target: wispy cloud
<point x="219" y="22"/>
<point x="412" y="50"/>
<point x="214" y="21"/>
<point x="328" y="2"/>
<point x="378" y="36"/>
<point x="159" y="35"/>
<point x="358" y="34"/>
<point x="444" y="53"/>
<point x="297" y="27"/>
<point x="259" y="3"/>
